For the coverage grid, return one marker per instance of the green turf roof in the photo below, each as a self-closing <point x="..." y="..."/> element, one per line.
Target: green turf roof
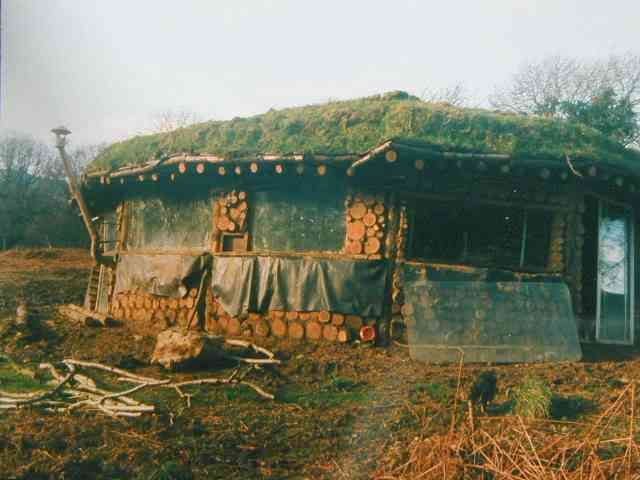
<point x="356" y="126"/>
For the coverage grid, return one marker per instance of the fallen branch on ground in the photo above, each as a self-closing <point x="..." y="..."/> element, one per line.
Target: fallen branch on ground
<point x="75" y="391"/>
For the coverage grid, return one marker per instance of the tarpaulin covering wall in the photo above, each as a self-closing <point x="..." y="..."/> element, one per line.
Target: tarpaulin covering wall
<point x="170" y="223"/>
<point x="490" y="321"/>
<point x="261" y="283"/>
<point x="159" y="274"/>
<point x="298" y="221"/>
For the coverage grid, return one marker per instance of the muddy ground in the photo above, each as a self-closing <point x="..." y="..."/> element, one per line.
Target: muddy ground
<point x="340" y="411"/>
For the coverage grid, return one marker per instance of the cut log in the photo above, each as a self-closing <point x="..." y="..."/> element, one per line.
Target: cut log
<point x="367" y="333"/>
<point x="279" y="327"/>
<point x="304" y="316"/>
<point x="292" y="315"/>
<point x="371" y="232"/>
<point x="354" y="247"/>
<point x="277" y="314"/>
<point x="343" y="335"/>
<point x="182" y="168"/>
<point x="356" y="230"/>
<point x="254" y="317"/>
<point x="370" y="219"/>
<point x="242" y="196"/>
<point x="234" y="326"/>
<point x="330" y="332"/>
<point x="200" y="168"/>
<point x="337" y="319"/>
<point x="223" y="321"/>
<point x="324" y="316"/>
<point x="313" y="330"/>
<point x="358" y="210"/>
<point x="372" y="245"/>
<point x="296" y="331"/>
<point x="391" y="156"/>
<point x="354" y="322"/>
<point x="378" y="209"/>
<point x="175" y="348"/>
<point x="253" y="168"/>
<point x="262" y="328"/>
<point x="322" y="170"/>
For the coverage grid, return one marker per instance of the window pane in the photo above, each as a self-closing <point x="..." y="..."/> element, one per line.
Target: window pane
<point x="298" y="221"/>
<point x="439" y="232"/>
<point x="168" y="223"/>
<point x="495" y="235"/>
<point x="538" y="238"/>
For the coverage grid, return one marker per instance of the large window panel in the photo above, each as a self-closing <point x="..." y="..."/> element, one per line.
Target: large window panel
<point x="170" y="223"/>
<point x="480" y="234"/>
<point x="298" y="220"/>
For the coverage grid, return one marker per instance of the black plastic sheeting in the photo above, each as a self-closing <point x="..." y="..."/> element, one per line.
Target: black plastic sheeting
<point x="261" y="283"/>
<point x="159" y="274"/>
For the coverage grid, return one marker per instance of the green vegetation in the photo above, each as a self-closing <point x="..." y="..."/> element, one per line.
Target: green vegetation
<point x="532" y="398"/>
<point x="355" y="126"/>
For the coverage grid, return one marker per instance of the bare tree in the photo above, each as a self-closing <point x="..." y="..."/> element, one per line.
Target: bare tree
<point x="173" y="119"/>
<point x="546" y="87"/>
<point x="455" y="95"/>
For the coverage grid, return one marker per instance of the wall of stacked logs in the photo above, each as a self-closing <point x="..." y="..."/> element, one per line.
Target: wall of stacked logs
<point x="366" y="225"/>
<point x="149" y="314"/>
<point x="294" y="325"/>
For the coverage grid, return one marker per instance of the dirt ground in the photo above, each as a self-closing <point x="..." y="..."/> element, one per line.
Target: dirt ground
<point x="340" y="411"/>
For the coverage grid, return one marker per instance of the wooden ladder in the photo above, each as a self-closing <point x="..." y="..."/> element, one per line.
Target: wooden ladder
<point x="91" y="297"/>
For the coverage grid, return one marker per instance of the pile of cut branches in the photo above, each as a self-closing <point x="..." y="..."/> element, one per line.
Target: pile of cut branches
<point x="72" y="390"/>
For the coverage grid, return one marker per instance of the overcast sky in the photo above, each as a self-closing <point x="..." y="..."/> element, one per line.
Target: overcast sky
<point x="105" y="68"/>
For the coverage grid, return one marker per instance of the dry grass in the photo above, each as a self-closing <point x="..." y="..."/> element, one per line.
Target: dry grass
<point x="510" y="448"/>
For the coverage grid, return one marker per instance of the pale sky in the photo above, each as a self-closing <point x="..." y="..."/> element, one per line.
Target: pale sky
<point x="105" y="68"/>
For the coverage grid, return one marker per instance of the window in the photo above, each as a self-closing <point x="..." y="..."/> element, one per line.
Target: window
<point x="298" y="220"/>
<point x="169" y="223"/>
<point x="480" y="234"/>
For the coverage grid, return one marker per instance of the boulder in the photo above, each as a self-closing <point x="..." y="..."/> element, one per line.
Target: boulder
<point x="177" y="348"/>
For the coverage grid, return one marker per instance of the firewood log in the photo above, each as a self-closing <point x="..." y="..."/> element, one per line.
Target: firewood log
<point x="378" y="209"/>
<point x="292" y="315"/>
<point x="262" y="328"/>
<point x="313" y="330"/>
<point x="234" y="326"/>
<point x="324" y="316"/>
<point x="343" y="335"/>
<point x="200" y="168"/>
<point x="354" y="248"/>
<point x="304" y="316"/>
<point x="279" y="327"/>
<point x="337" y="319"/>
<point x="356" y="230"/>
<point x="223" y="322"/>
<point x="330" y="332"/>
<point x="358" y="210"/>
<point x="371" y="232"/>
<point x="296" y="331"/>
<point x="277" y="314"/>
<point x="391" y="156"/>
<point x="254" y="317"/>
<point x="372" y="245"/>
<point x="369" y="219"/>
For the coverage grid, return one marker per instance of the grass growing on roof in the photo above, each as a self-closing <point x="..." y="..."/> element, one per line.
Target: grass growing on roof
<point x="355" y="126"/>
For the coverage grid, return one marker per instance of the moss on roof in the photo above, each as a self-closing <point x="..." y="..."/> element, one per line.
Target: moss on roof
<point x="355" y="126"/>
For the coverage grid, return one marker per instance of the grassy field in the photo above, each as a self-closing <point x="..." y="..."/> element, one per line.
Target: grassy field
<point x="340" y="411"/>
